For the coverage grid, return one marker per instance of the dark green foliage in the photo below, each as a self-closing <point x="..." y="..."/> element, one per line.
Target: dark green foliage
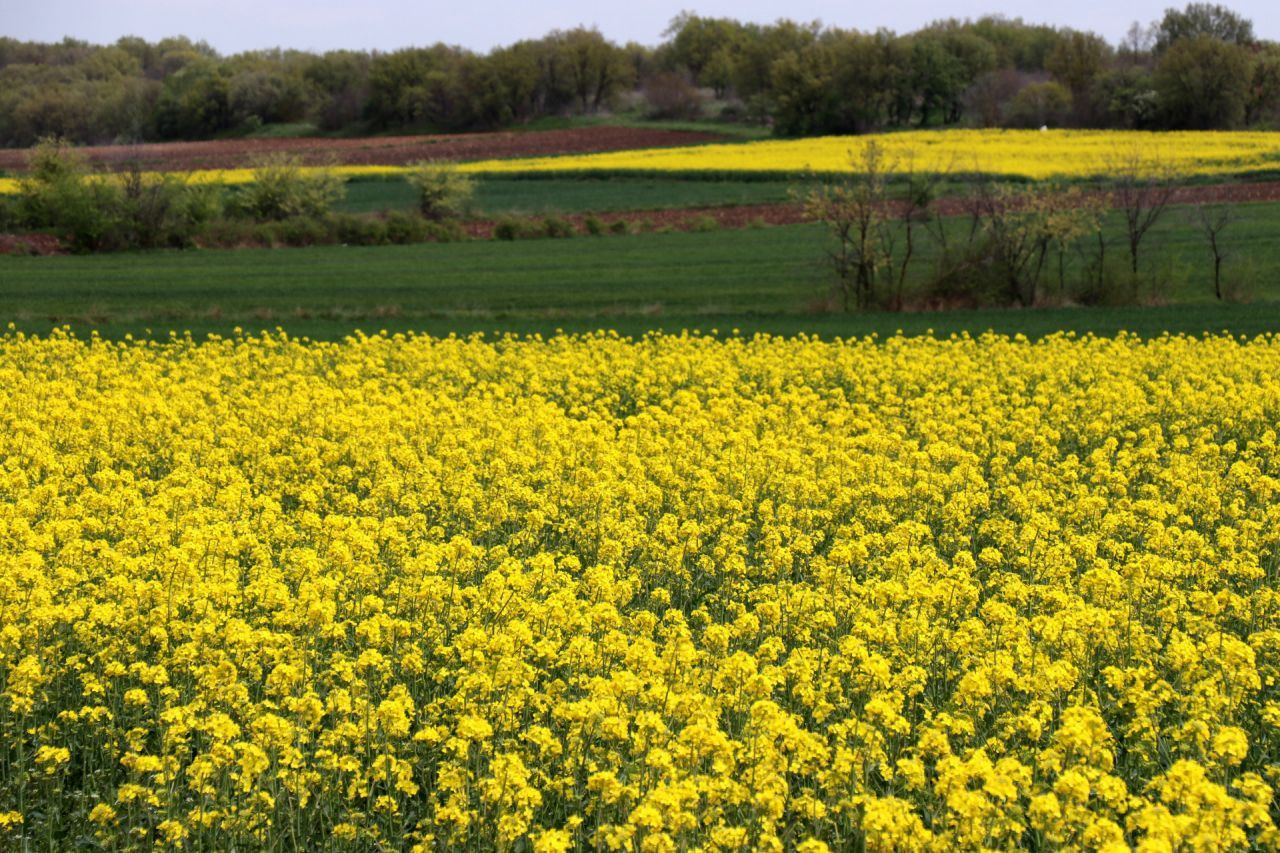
<point x="517" y="228"/>
<point x="352" y="230"/>
<point x="557" y="226"/>
<point x="282" y="189"/>
<point x="1203" y="83"/>
<point x="797" y="78"/>
<point x="101" y="212"/>
<point x="1208" y="20"/>
<point x="1039" y="105"/>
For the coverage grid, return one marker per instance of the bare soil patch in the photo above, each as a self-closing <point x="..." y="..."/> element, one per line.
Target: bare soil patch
<point x="376" y="150"/>
<point x="29" y="244"/>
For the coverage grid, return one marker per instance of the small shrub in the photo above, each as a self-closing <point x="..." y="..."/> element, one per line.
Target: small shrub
<point x="517" y="228"/>
<point x="302" y="231"/>
<point x="557" y="226"/>
<point x="203" y="203"/>
<point x="149" y="213"/>
<point x="282" y="189"/>
<point x="703" y="224"/>
<point x="444" y="232"/>
<point x="444" y="192"/>
<point x="405" y="227"/>
<point x="619" y="226"/>
<point x="969" y="275"/>
<point x="593" y="225"/>
<point x="229" y="234"/>
<point x="59" y="194"/>
<point x="353" y="230"/>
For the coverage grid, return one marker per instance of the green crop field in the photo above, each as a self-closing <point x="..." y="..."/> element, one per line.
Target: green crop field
<point x="769" y="279"/>
<point x="496" y="196"/>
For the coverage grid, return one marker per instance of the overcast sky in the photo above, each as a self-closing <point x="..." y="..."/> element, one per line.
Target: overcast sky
<point x="236" y="25"/>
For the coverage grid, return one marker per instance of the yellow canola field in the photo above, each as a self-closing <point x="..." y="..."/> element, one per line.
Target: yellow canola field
<point x="674" y="593"/>
<point x="230" y="177"/>
<point x="1007" y="153"/>
<point x="1037" y="155"/>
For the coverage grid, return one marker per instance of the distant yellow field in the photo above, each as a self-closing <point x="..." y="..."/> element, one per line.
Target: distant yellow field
<point x="1030" y="154"/>
<point x="1013" y="153"/>
<point x="245" y="176"/>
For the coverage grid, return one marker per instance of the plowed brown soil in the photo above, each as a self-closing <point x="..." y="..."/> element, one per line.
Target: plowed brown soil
<point x="375" y="150"/>
<point x="29" y="244"/>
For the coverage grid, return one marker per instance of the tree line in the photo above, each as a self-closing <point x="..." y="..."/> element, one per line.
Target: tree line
<point x="1199" y="67"/>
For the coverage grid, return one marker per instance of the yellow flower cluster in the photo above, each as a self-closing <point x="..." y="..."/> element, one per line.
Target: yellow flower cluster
<point x="677" y="593"/>
<point x="1007" y="153"/>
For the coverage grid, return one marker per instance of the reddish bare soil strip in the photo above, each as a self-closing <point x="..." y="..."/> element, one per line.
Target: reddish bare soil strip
<point x="29" y="244"/>
<point x="377" y="150"/>
<point x="787" y="213"/>
<point x="678" y="219"/>
<point x="1235" y="193"/>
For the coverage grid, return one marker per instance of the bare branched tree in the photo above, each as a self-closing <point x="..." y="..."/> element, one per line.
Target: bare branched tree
<point x="1070" y="216"/>
<point x="1213" y="220"/>
<point x="1014" y="220"/>
<point x="922" y="188"/>
<point x="874" y="233"/>
<point x="1143" y="189"/>
<point x="855" y="211"/>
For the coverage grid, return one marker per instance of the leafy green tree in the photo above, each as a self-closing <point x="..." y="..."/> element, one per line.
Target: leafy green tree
<point x="1077" y="62"/>
<point x="195" y="102"/>
<point x="986" y="101"/>
<point x="1126" y="97"/>
<point x="1203" y="84"/>
<point x="595" y="69"/>
<point x="1263" y="101"/>
<point x="938" y="79"/>
<point x="759" y="49"/>
<point x="696" y="42"/>
<point x="1202" y="19"/>
<point x="1038" y="105"/>
<point x="802" y="91"/>
<point x="338" y="84"/>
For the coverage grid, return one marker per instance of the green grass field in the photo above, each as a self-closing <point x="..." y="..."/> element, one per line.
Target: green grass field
<point x="769" y="279"/>
<point x="496" y="196"/>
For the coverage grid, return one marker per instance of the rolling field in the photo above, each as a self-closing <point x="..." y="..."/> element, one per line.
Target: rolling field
<point x="672" y="556"/>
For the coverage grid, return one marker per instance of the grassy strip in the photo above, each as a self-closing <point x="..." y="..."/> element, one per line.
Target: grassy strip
<point x="1241" y="320"/>
<point x="496" y="196"/>
<point x="758" y="280"/>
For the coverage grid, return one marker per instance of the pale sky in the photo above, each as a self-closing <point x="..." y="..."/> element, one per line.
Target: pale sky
<point x="235" y="25"/>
